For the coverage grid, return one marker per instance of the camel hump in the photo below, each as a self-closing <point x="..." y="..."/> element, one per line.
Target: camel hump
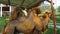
<point x="25" y="26"/>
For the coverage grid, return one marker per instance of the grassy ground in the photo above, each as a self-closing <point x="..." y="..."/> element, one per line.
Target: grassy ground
<point x="50" y="30"/>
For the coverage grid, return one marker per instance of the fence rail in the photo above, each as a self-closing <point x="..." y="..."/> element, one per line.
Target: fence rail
<point x="1" y="9"/>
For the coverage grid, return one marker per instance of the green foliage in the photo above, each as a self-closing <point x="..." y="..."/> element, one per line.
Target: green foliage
<point x="58" y="8"/>
<point x="58" y="19"/>
<point x="57" y="16"/>
<point x="26" y="4"/>
<point x="2" y="22"/>
<point x="4" y="1"/>
<point x="0" y="1"/>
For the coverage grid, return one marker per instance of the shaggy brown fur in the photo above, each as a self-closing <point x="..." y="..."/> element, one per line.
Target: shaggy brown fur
<point x="13" y="15"/>
<point x="23" y="24"/>
<point x="37" y="21"/>
<point x="37" y="10"/>
<point x="46" y="19"/>
<point x="43" y="23"/>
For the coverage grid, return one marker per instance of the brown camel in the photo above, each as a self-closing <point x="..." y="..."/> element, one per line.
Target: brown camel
<point x="43" y="22"/>
<point x="45" y="19"/>
<point x="22" y="24"/>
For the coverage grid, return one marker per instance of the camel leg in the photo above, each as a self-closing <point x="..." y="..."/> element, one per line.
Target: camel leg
<point x="37" y="31"/>
<point x="9" y="29"/>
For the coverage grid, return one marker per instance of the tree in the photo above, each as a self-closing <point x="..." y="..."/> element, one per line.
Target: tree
<point x="26" y="4"/>
<point x="0" y="1"/>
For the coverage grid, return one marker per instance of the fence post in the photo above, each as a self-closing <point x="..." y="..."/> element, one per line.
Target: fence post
<point x="54" y="20"/>
<point x="1" y="10"/>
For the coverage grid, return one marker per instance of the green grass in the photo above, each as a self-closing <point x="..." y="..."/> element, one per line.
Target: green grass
<point x="2" y="22"/>
<point x="50" y="30"/>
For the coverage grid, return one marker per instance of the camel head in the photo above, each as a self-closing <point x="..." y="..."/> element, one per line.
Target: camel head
<point x="47" y="15"/>
<point x="46" y="19"/>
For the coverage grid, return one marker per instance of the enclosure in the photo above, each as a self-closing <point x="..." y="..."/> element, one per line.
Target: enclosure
<point x="44" y="7"/>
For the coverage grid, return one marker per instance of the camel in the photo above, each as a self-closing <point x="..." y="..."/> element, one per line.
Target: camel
<point x="26" y="25"/>
<point x="44" y="21"/>
<point x="21" y="24"/>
